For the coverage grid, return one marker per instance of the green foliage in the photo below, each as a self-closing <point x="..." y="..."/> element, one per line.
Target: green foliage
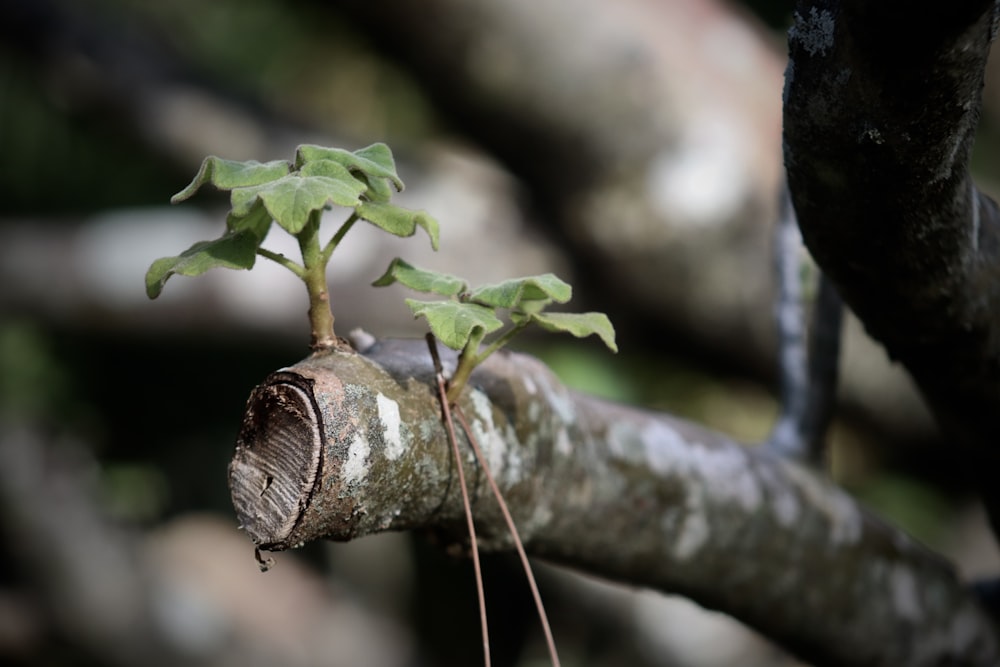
<point x="398" y="221"/>
<point x="525" y="298"/>
<point x="374" y="161"/>
<point x="421" y="280"/>
<point x="227" y="174"/>
<point x="455" y="323"/>
<point x="292" y="194"/>
<point x="468" y="316"/>
<point x="523" y="293"/>
<point x="237" y="250"/>
<point x="580" y="325"/>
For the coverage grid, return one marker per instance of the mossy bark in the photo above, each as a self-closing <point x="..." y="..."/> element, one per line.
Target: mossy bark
<point x="629" y="495"/>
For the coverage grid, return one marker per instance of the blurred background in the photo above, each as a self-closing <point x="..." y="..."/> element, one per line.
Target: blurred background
<point x="632" y="147"/>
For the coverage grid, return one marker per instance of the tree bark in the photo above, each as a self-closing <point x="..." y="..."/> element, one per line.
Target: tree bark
<point x="878" y="136"/>
<point x="343" y="445"/>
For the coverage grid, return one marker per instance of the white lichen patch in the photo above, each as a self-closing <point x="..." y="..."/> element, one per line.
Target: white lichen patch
<point x="386" y="520"/>
<point x="540" y="517"/>
<point x="730" y="475"/>
<point x="427" y="429"/>
<point x="784" y="503"/>
<point x="534" y="411"/>
<point x="558" y="399"/>
<point x="905" y="594"/>
<point x="503" y="463"/>
<point x="786" y="508"/>
<point x="726" y="470"/>
<point x="625" y="444"/>
<point x="814" y="31"/>
<point x="694" y="531"/>
<point x="872" y="134"/>
<point x="841" y="512"/>
<point x="664" y="448"/>
<point x="564" y="445"/>
<point x="355" y="467"/>
<point x="388" y="414"/>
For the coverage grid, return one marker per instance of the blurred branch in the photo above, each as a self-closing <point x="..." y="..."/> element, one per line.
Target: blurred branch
<point x="344" y="445"/>
<point x="655" y="163"/>
<point x="185" y="594"/>
<point x="878" y="137"/>
<point x="91" y="65"/>
<point x="807" y="361"/>
<point x="87" y="570"/>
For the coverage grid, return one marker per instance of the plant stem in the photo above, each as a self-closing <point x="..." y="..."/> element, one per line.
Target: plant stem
<point x="472" y="357"/>
<point x="278" y="258"/>
<point x="467" y="361"/>
<point x="502" y="340"/>
<point x="335" y="241"/>
<point x="314" y="276"/>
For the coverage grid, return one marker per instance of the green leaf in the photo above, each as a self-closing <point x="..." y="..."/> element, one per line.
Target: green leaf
<point x="257" y="220"/>
<point x="233" y="251"/>
<point x="399" y="221"/>
<point x="228" y="174"/>
<point x="375" y="160"/>
<point x="578" y="324"/>
<point x="454" y="323"/>
<point x="328" y="168"/>
<point x="420" y="280"/>
<point x="291" y="200"/>
<point x="517" y="291"/>
<point x="379" y="189"/>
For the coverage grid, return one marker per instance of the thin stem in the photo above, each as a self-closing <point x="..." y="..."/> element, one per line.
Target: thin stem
<point x="314" y="276"/>
<point x="543" y="617"/>
<point x="467" y="361"/>
<point x="278" y="258"/>
<point x="505" y="338"/>
<point x="472" y="357"/>
<point x="453" y="441"/>
<point x="338" y="237"/>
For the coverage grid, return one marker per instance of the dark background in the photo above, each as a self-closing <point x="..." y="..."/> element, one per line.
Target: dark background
<point x="118" y="415"/>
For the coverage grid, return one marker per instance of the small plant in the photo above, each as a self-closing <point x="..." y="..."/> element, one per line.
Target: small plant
<point x="462" y="322"/>
<point x="468" y="316"/>
<point x="294" y="195"/>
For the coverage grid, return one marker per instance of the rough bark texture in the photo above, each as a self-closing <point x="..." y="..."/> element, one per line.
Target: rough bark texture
<point x="626" y="494"/>
<point x="881" y="105"/>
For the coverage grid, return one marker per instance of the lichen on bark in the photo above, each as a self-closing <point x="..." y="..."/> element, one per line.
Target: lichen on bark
<point x="626" y="494"/>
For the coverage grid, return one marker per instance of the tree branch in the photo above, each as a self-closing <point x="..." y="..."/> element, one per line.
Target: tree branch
<point x="878" y="135"/>
<point x="807" y="364"/>
<point x="343" y="445"/>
